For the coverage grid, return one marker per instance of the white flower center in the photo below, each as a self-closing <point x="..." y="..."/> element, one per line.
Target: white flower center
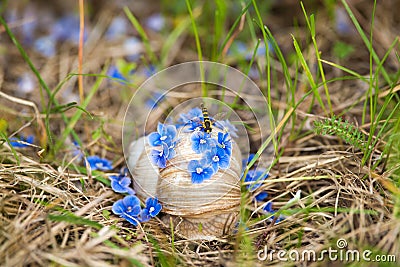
<point x="129" y="209"/>
<point x="151" y="209"/>
<point x="203" y="141"/>
<point x="199" y="170"/>
<point x="215" y="158"/>
<point x="162" y="138"/>
<point x="223" y="145"/>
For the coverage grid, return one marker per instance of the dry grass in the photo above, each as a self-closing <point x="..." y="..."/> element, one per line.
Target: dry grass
<point x="337" y="202"/>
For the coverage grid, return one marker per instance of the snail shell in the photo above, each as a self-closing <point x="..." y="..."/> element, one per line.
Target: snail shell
<point x="198" y="211"/>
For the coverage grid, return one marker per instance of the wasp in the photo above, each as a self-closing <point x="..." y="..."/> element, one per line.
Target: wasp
<point x="206" y="119"/>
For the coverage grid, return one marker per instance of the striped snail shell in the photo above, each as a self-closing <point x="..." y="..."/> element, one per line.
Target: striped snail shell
<point x="203" y="210"/>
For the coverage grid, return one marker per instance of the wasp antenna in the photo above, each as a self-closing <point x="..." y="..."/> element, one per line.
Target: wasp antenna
<point x="202" y="105"/>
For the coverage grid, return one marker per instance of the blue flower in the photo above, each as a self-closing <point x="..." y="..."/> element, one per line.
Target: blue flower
<point x="22" y="141"/>
<point x="193" y="118"/>
<point x="217" y="158"/>
<point x="144" y="216"/>
<point x="164" y="134"/>
<point x="29" y="28"/>
<point x="156" y="98"/>
<point x="199" y="171"/>
<point x="117" y="28"/>
<point x="248" y="160"/>
<point x="67" y="29"/>
<point x="152" y="207"/>
<point x="26" y="84"/>
<point x="150" y="71"/>
<point x="226" y="126"/>
<point x="155" y="22"/>
<point x="114" y="73"/>
<point x="77" y="151"/>
<point x="343" y="22"/>
<point x="159" y="158"/>
<point x="97" y="163"/>
<point x="128" y="208"/>
<point x="261" y="196"/>
<point x="171" y="150"/>
<point x="224" y="142"/>
<point x="268" y="207"/>
<point x="132" y="47"/>
<point x="256" y="177"/>
<point x="120" y="184"/>
<point x="192" y="114"/>
<point x="240" y="225"/>
<point x="46" y="46"/>
<point x="193" y="125"/>
<point x="201" y="142"/>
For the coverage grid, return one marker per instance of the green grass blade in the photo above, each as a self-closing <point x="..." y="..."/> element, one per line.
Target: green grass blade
<point x="71" y="218"/>
<point x="5" y="138"/>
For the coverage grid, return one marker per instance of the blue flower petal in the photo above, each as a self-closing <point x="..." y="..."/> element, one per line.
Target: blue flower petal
<point x="268" y="207"/>
<point x="144" y="215"/>
<point x="217" y="158"/>
<point x="197" y="178"/>
<point x="224" y="161"/>
<point x="132" y="205"/>
<point x="193" y="165"/>
<point x="256" y="177"/>
<point x="157" y="209"/>
<point x="114" y="73"/>
<point x="158" y="158"/>
<point x="97" y="163"/>
<point x="154" y="139"/>
<point x="117" y="187"/>
<point x="155" y="22"/>
<point x="117" y="28"/>
<point x="118" y="207"/>
<point x="248" y="160"/>
<point x="164" y="134"/>
<point x="15" y="141"/>
<point x="160" y="128"/>
<point x="46" y="46"/>
<point x="171" y="152"/>
<point x="132" y="219"/>
<point x="153" y="207"/>
<point x="261" y="196"/>
<point x="199" y="171"/>
<point x="171" y="132"/>
<point x="207" y="173"/>
<point x="201" y="142"/>
<point x="120" y="184"/>
<point x="227" y="127"/>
